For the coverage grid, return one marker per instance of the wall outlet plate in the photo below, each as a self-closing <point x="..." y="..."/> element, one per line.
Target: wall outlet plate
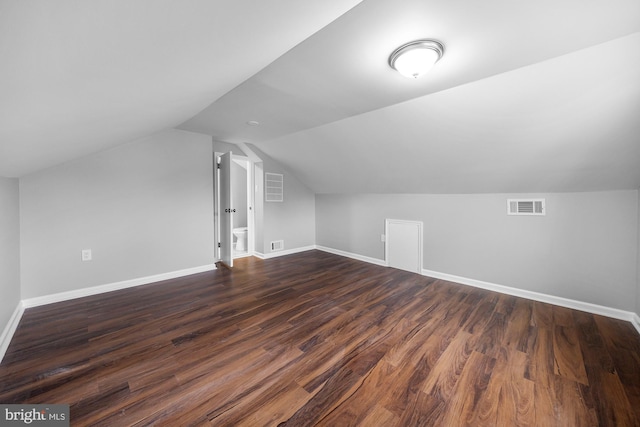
<point x="86" y="255"/>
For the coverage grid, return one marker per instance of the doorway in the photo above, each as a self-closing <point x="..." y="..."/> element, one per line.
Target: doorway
<point x="233" y="213"/>
<point x="241" y="179"/>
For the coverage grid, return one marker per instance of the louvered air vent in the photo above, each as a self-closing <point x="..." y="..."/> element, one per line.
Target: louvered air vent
<point x="525" y="207"/>
<point x="273" y="187"/>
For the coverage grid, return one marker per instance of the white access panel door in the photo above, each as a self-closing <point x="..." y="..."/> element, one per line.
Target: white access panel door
<point x="403" y="246"/>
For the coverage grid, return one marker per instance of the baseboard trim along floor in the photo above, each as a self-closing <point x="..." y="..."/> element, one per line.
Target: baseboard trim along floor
<point x="9" y="330"/>
<point x="535" y="296"/>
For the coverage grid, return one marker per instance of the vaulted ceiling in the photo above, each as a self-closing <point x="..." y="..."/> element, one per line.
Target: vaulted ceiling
<point x="77" y="77"/>
<point x="529" y="96"/>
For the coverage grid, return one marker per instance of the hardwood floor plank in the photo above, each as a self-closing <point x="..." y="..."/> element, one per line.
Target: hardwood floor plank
<point x="568" y="355"/>
<point x="318" y="339"/>
<point x="341" y="385"/>
<point x="518" y="322"/>
<point x="570" y="406"/>
<point x="490" y="341"/>
<point x="447" y="370"/>
<point x="517" y="394"/>
<point x="540" y="358"/>
<point x="427" y="411"/>
<point x="542" y="315"/>
<point x="474" y="379"/>
<point x="381" y="417"/>
<point x="613" y="409"/>
<point x="562" y="316"/>
<point x="276" y="406"/>
<point x="356" y="408"/>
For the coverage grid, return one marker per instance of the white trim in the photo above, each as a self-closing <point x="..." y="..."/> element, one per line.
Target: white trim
<point x="536" y="296"/>
<point x="283" y="253"/>
<point x="635" y="321"/>
<point x="370" y="260"/>
<point x="242" y="255"/>
<point x="95" y="290"/>
<point x="10" y="329"/>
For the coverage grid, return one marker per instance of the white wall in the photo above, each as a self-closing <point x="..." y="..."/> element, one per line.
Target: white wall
<point x="292" y="220"/>
<point x="9" y="250"/>
<point x="583" y="249"/>
<point x="144" y="208"/>
<point x="258" y="204"/>
<point x="638" y="262"/>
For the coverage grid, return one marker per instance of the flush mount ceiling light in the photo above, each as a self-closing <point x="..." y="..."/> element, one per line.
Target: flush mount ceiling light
<point x="416" y="58"/>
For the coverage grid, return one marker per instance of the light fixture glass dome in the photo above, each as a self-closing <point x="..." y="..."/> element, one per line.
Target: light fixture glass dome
<point x="416" y="58"/>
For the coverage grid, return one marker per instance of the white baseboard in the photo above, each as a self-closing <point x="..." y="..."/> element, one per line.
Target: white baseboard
<point x="635" y="321"/>
<point x="370" y="260"/>
<point x="10" y="329"/>
<point x="284" y="252"/>
<point x="536" y="296"/>
<point x="95" y="290"/>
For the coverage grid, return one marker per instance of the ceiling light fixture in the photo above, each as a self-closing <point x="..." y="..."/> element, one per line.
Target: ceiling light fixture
<point x="253" y="123"/>
<point x="416" y="58"/>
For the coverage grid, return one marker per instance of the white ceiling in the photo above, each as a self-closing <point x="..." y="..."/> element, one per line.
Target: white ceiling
<point x="529" y="96"/>
<point x="565" y="124"/>
<point x="78" y="76"/>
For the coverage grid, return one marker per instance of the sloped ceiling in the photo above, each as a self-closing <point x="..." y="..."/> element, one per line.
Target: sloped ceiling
<point x="570" y="123"/>
<point x="529" y="96"/>
<point x="78" y="77"/>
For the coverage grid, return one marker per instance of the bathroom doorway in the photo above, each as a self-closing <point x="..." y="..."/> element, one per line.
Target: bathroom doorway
<point x="241" y="179"/>
<point x="234" y="212"/>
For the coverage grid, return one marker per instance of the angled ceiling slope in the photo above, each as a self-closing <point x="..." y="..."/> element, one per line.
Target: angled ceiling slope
<point x="528" y="97"/>
<point x="79" y="77"/>
<point x="565" y="124"/>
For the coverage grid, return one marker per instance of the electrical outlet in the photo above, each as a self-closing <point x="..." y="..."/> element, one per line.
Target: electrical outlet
<point x="86" y="255"/>
<point x="383" y="238"/>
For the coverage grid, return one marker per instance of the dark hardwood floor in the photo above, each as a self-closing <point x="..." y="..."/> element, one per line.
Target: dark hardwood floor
<point x="318" y="339"/>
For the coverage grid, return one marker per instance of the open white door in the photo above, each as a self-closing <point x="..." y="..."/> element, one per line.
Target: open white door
<point x="226" y="210"/>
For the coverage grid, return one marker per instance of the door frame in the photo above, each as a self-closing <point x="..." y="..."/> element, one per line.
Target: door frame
<point x="217" y="214"/>
<point x="224" y="240"/>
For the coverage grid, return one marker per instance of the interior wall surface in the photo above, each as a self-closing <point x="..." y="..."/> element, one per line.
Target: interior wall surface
<point x="9" y="249"/>
<point x="292" y="220"/>
<point x="638" y="261"/>
<point x="258" y="204"/>
<point x="584" y="248"/>
<point x="142" y="208"/>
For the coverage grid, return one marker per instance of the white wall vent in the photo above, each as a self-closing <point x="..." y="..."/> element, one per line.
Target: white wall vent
<point x="526" y="207"/>
<point x="273" y="187"/>
<point x="277" y="245"/>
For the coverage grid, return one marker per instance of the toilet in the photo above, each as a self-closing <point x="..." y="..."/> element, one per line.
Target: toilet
<point x="241" y="239"/>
